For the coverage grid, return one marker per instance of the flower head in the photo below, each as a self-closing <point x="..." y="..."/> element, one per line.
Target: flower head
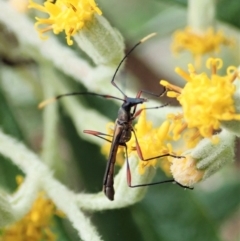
<point x="204" y="159"/>
<point x="206" y="100"/>
<point x="153" y="142"/>
<point x="179" y="132"/>
<point x="199" y="43"/>
<point x="65" y="15"/>
<point x="36" y="224"/>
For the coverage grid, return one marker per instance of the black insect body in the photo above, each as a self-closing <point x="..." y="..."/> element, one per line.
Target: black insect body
<point x="122" y="134"/>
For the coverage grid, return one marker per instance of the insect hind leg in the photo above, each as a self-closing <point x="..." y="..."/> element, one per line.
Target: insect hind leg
<point x="129" y="177"/>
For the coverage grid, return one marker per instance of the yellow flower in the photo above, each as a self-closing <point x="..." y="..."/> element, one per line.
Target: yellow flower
<point x="153" y="142"/>
<point x="36" y="225"/>
<point x="189" y="137"/>
<point x="199" y="44"/>
<point x="206" y="101"/>
<point x="65" y="15"/>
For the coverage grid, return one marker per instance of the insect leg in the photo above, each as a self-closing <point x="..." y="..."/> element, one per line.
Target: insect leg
<point x="147" y="92"/>
<point x="151" y="93"/>
<point x="147" y="108"/>
<point x="129" y="177"/>
<point x="98" y="134"/>
<point x="139" y="151"/>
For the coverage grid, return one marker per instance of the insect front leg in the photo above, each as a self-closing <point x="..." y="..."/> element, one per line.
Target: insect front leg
<point x="136" y="114"/>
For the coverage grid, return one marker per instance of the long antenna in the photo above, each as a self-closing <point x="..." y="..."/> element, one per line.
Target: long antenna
<point x="127" y="54"/>
<point x="48" y="101"/>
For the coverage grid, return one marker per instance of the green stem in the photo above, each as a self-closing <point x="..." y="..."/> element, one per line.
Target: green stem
<point x="101" y="42"/>
<point x="201" y="14"/>
<point x="50" y="153"/>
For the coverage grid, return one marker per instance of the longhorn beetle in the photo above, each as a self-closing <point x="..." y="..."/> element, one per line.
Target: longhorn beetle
<point x="123" y="130"/>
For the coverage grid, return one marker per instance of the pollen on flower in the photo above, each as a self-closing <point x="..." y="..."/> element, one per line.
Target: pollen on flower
<point x="207" y="100"/>
<point x="177" y="125"/>
<point x="185" y="171"/>
<point x="199" y="43"/>
<point x="179" y="132"/>
<point x="65" y="15"/>
<point x="36" y="225"/>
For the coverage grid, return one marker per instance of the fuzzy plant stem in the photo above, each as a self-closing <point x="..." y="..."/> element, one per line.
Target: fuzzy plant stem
<point x="201" y="14"/>
<point x="63" y="198"/>
<point x="52" y="50"/>
<point x="50" y="120"/>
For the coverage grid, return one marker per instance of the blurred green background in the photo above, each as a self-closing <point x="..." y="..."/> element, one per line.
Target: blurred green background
<point x="211" y="212"/>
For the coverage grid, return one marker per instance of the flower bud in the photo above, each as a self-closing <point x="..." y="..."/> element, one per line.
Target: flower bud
<point x="204" y="160"/>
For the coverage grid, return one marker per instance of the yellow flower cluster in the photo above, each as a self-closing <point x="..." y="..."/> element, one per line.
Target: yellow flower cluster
<point x="36" y="225"/>
<point x="179" y="130"/>
<point x="199" y="44"/>
<point x="206" y="101"/>
<point x="152" y="141"/>
<point x="65" y="15"/>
